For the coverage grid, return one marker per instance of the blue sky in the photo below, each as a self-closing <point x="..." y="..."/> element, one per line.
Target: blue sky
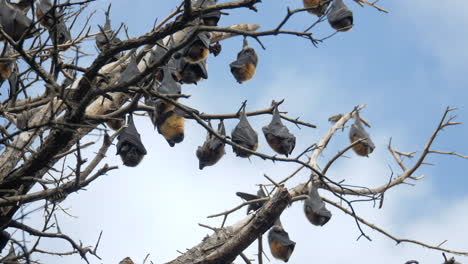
<point x="407" y="66"/>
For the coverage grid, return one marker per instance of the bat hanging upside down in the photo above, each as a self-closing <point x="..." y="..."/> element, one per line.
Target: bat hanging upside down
<point x="278" y="136"/>
<point x="244" y="135"/>
<point x="314" y="208"/>
<point x="357" y="132"/>
<point x="281" y="247"/>
<point x="129" y="145"/>
<point x="213" y="148"/>
<point x="245" y="66"/>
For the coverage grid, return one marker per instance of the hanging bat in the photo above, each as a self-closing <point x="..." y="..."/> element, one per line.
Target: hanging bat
<point x="319" y="7"/>
<point x="340" y="16"/>
<point x="281" y="247"/>
<point x="244" y="67"/>
<point x="277" y="135"/>
<point x="197" y="49"/>
<point x="54" y="21"/>
<point x="314" y="208"/>
<point x="14" y="22"/>
<point x="191" y="72"/>
<point x="129" y="145"/>
<point x="171" y="124"/>
<point x="244" y="135"/>
<point x="109" y="39"/>
<point x="4" y="238"/>
<point x="357" y="132"/>
<point x="248" y="197"/>
<point x="169" y="120"/>
<point x="213" y="148"/>
<point x="168" y="85"/>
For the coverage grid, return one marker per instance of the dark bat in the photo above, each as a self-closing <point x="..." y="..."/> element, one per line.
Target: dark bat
<point x="340" y="16"/>
<point x="211" y="18"/>
<point x="197" y="49"/>
<point x="277" y="135"/>
<point x="319" y="7"/>
<point x="248" y="197"/>
<point x="130" y="71"/>
<point x="53" y="20"/>
<point x="191" y="72"/>
<point x="281" y="247"/>
<point x="244" y="67"/>
<point x="14" y="22"/>
<point x="109" y="39"/>
<point x="213" y="148"/>
<point x="314" y="208"/>
<point x="129" y="145"/>
<point x="244" y="135"/>
<point x="171" y="124"/>
<point x="357" y="132"/>
<point x="4" y="238"/>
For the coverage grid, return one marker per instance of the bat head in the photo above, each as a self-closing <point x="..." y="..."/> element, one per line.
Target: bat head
<point x="191" y="72"/>
<point x="213" y="148"/>
<point x="130" y="154"/>
<point x="129" y="145"/>
<point x="340" y="16"/>
<point x="177" y="139"/>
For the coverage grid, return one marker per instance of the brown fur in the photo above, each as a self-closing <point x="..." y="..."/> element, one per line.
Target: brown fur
<point x="5" y="70"/>
<point x="275" y="144"/>
<point x="320" y="6"/>
<point x="172" y="127"/>
<point x="245" y="73"/>
<point x="361" y="149"/>
<point x="197" y="53"/>
<point x="279" y="251"/>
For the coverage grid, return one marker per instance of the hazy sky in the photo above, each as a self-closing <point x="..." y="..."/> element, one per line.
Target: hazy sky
<point x="407" y="66"/>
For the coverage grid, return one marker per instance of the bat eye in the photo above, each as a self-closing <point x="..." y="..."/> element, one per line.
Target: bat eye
<point x="177" y="55"/>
